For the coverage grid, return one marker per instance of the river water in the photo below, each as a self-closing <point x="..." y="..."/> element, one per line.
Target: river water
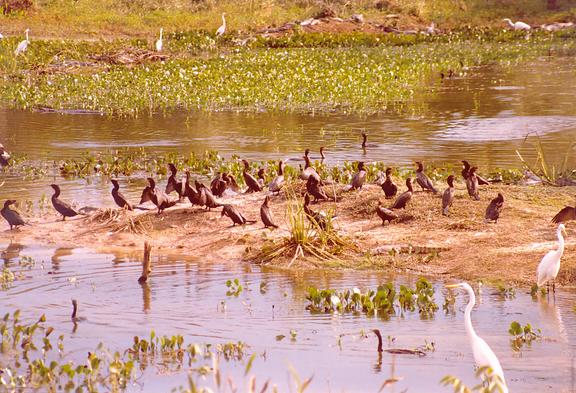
<point x="186" y="296"/>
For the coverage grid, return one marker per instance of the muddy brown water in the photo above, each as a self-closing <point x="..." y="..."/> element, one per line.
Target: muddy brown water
<point x="484" y="116"/>
<point x="186" y="296"/>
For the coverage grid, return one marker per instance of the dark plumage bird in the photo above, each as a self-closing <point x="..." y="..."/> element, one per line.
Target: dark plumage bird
<point x="210" y="201"/>
<point x="385" y="214"/>
<point x="423" y="180"/>
<point x="12" y="216"/>
<point x="466" y="171"/>
<point x="173" y="184"/>
<point x="364" y="140"/>
<point x="262" y="177"/>
<point x="118" y="197"/>
<point x="202" y="199"/>
<point x="316" y="218"/>
<point x="231" y="182"/>
<point x="265" y="214"/>
<point x="448" y="196"/>
<point x="251" y="182"/>
<point x="568" y="213"/>
<point x="390" y="189"/>
<point x="404" y="198"/>
<point x="359" y="178"/>
<point x="494" y="208"/>
<point x="315" y="189"/>
<point x="218" y="185"/>
<point x="322" y="156"/>
<point x="61" y="207"/>
<point x="278" y="182"/>
<point x="472" y="184"/>
<point x="74" y="317"/>
<point x="156" y="196"/>
<point x="190" y="192"/>
<point x="237" y="218"/>
<point x="4" y="156"/>
<point x="308" y="170"/>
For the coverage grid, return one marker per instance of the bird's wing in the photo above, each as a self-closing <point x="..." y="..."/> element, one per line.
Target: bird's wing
<point x="566" y="214"/>
<point x="484" y="356"/>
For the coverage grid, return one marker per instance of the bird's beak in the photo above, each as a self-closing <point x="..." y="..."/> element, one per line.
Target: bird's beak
<point x="451" y="286"/>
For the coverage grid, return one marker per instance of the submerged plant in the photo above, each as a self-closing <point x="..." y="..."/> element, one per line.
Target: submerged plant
<point x="522" y="335"/>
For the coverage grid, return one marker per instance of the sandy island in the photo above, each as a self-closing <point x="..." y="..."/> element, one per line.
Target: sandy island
<point x="460" y="246"/>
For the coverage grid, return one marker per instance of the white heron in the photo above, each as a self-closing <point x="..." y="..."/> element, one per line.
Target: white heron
<point x="517" y="25"/>
<point x="222" y="29"/>
<point x="483" y="354"/>
<point x="23" y="45"/>
<point x="550" y="264"/>
<point x="1" y="36"/>
<point x="159" y="42"/>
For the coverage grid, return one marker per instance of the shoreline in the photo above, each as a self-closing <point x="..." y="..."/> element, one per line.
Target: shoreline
<point x="425" y="242"/>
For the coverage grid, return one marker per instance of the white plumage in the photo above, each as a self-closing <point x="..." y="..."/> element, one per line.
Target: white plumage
<point x="483" y="354"/>
<point x="550" y="265"/>
<point x="222" y="29"/>
<point x="517" y="25"/>
<point x="23" y="45"/>
<point x="159" y="42"/>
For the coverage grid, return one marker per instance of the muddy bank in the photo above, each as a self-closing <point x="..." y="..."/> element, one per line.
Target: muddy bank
<point x="426" y="242"/>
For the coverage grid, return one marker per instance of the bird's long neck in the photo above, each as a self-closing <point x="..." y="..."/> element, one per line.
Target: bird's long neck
<point x="560" y="243"/>
<point x="307" y="162"/>
<point x="510" y="22"/>
<point x="223" y="20"/>
<point x="467" y="319"/>
<point x="56" y="193"/>
<point x="74" y="309"/>
<point x="161" y="30"/>
<point x="280" y="169"/>
<point x="27" y="35"/>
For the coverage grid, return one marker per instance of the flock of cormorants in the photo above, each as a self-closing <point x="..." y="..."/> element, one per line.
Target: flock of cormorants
<point x="200" y="195"/>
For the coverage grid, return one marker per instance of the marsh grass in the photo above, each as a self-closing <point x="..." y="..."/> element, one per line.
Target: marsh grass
<point x="553" y="168"/>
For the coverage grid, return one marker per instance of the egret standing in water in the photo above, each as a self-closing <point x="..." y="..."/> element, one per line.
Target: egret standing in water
<point x="550" y="264"/>
<point x="517" y="25"/>
<point x="159" y="42"/>
<point x="483" y="354"/>
<point x="23" y="45"/>
<point x="222" y="29"/>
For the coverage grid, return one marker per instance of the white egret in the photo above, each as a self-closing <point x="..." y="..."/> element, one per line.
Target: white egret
<point x="550" y="264"/>
<point x="222" y="29"/>
<point x="483" y="354"/>
<point x="517" y="25"/>
<point x="159" y="42"/>
<point x="1" y="36"/>
<point x="23" y="45"/>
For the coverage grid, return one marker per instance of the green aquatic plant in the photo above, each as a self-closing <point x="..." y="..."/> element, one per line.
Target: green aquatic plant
<point x="6" y="278"/>
<point x="492" y="382"/>
<point x="522" y="335"/>
<point x="234" y="287"/>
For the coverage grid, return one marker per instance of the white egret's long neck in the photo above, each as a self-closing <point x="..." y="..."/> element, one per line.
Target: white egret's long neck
<point x="27" y="35"/>
<point x="560" y="242"/>
<point x="223" y="20"/>
<point x="510" y="23"/>
<point x="161" y="30"/>
<point x="467" y="319"/>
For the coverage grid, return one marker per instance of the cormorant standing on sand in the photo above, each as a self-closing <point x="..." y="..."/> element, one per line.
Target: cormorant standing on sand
<point x="494" y="208"/>
<point x="404" y="198"/>
<point x="448" y="196"/>
<point x="237" y="218"/>
<point x="390" y="189"/>
<point x="158" y="198"/>
<point x="251" y="182"/>
<point x="173" y="184"/>
<point x="265" y="214"/>
<point x="472" y="184"/>
<point x="61" y="207"/>
<point x="118" y="197"/>
<point x="359" y="178"/>
<point x="12" y="216"/>
<point x="568" y="213"/>
<point x="278" y="182"/>
<point x="385" y="214"/>
<point x="423" y="180"/>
